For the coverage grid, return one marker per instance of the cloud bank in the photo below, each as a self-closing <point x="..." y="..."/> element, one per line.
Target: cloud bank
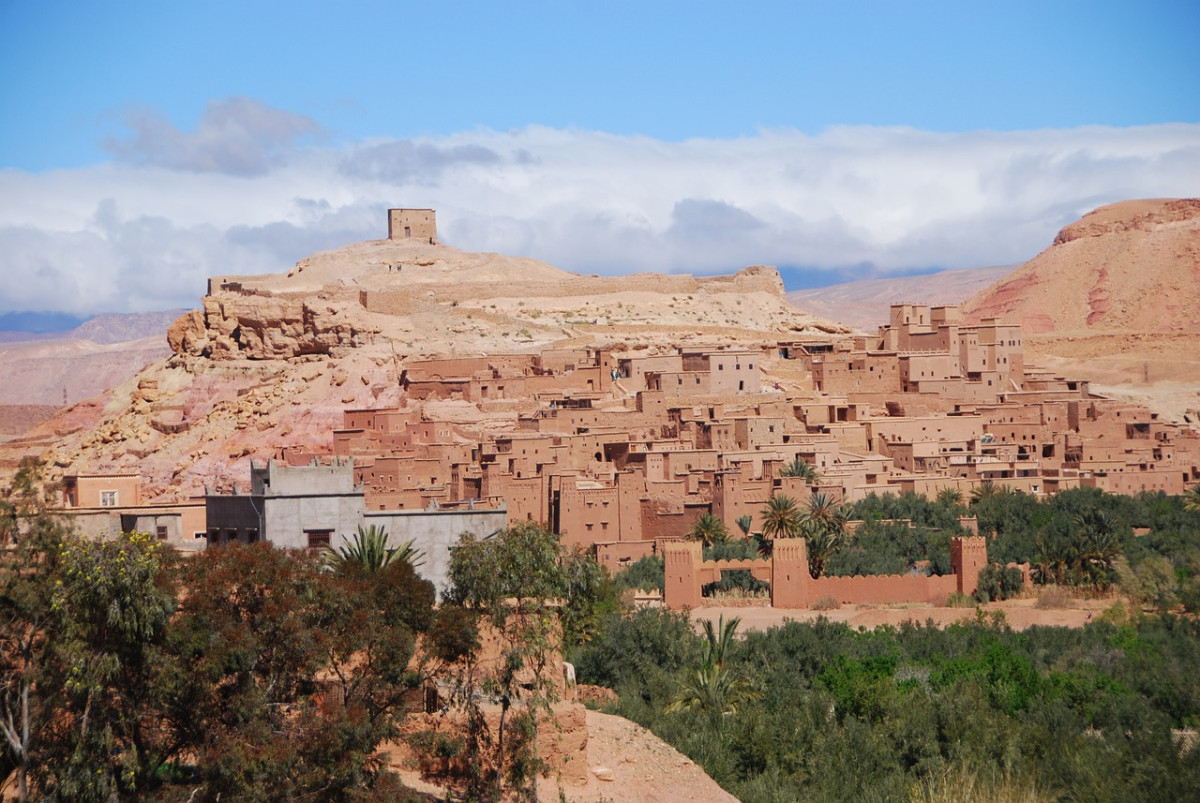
<point x="250" y="191"/>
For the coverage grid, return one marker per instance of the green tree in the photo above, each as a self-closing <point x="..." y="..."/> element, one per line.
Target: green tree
<point x="1152" y="582"/>
<point x="708" y="529"/>
<point x="516" y="578"/>
<point x="28" y="571"/>
<point x="781" y="518"/>
<point x="1096" y="548"/>
<point x="744" y="523"/>
<point x="112" y="602"/>
<point x="287" y="678"/>
<point x="950" y="498"/>
<point x="986" y="491"/>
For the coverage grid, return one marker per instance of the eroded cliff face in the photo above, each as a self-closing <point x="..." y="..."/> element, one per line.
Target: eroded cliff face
<point x="256" y="327"/>
<point x="271" y="362"/>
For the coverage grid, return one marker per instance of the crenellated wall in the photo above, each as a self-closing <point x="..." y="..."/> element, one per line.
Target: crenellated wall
<point x="793" y="587"/>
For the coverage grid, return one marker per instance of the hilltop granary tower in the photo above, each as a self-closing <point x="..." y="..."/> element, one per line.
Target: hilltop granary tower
<point x="408" y="224"/>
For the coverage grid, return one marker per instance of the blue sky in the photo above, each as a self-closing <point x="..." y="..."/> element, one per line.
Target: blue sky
<point x="146" y="146"/>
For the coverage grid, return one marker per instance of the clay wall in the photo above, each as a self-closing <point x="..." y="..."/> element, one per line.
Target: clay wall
<point x="526" y="497"/>
<point x="734" y="372"/>
<point x="735" y="495"/>
<point x="102" y="490"/>
<point x="793" y="587"/>
<point x="752" y="433"/>
<point x="857" y="372"/>
<point x="985" y="390"/>
<point x="930" y="428"/>
<point x="588" y="515"/>
<point x="1169" y="481"/>
<point x="634" y="369"/>
<point x="617" y="556"/>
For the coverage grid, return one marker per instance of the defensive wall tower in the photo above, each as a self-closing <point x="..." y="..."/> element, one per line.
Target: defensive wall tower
<point x="412" y="224"/>
<point x="967" y="556"/>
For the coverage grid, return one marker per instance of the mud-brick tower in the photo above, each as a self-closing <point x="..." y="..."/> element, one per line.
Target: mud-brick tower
<point x="681" y="561"/>
<point x="789" y="573"/>
<point x="967" y="557"/>
<point x="412" y="224"/>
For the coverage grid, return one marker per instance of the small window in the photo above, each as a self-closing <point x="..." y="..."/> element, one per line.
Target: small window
<point x="319" y="539"/>
<point x="108" y="499"/>
<point x="160" y="532"/>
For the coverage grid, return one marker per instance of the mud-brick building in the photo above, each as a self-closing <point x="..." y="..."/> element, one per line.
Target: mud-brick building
<point x="412" y="224"/>
<point x="105" y="505"/>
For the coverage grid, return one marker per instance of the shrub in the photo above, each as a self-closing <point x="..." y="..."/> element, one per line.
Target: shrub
<point x="961" y="600"/>
<point x="1053" y="597"/>
<point x="998" y="582"/>
<point x="646" y="574"/>
<point x="736" y="580"/>
<point x="826" y="604"/>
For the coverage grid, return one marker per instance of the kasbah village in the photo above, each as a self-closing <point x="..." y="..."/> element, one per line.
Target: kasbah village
<point x="401" y="385"/>
<point x="620" y="449"/>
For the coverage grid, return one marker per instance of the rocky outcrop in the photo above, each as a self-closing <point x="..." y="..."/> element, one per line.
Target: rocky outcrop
<point x="271" y="362"/>
<point x="1127" y="267"/>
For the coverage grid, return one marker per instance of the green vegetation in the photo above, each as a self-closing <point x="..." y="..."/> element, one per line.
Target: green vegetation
<point x="972" y="711"/>
<point x="839" y="714"/>
<point x="256" y="673"/>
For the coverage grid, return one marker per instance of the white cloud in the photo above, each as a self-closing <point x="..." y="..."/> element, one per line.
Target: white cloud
<point x="238" y="136"/>
<point x="241" y="196"/>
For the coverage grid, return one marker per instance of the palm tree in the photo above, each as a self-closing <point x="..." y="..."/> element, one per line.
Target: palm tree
<point x="798" y="468"/>
<point x="743" y="523"/>
<point x="1097" y="546"/>
<point x="950" y="497"/>
<point x="1191" y="499"/>
<point x="368" y="549"/>
<point x="823" y="523"/>
<point x="986" y="490"/>
<point x="714" y="688"/>
<point x="708" y="529"/>
<point x="781" y="517"/>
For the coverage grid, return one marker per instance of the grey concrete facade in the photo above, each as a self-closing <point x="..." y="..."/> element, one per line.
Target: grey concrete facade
<point x="309" y="507"/>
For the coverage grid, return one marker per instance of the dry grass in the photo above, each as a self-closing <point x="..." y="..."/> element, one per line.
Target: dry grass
<point x="960" y="600"/>
<point x="960" y="782"/>
<point x="1053" y="597"/>
<point x="826" y="604"/>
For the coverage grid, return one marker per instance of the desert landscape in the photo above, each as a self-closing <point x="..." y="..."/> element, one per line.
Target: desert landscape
<point x="426" y="384"/>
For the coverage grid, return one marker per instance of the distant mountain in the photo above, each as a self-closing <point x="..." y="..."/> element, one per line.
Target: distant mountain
<point x="107" y="328"/>
<point x="1130" y="267"/>
<point x="125" y="327"/>
<point x="56" y="368"/>
<point x="864" y="304"/>
<point x="16" y="326"/>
